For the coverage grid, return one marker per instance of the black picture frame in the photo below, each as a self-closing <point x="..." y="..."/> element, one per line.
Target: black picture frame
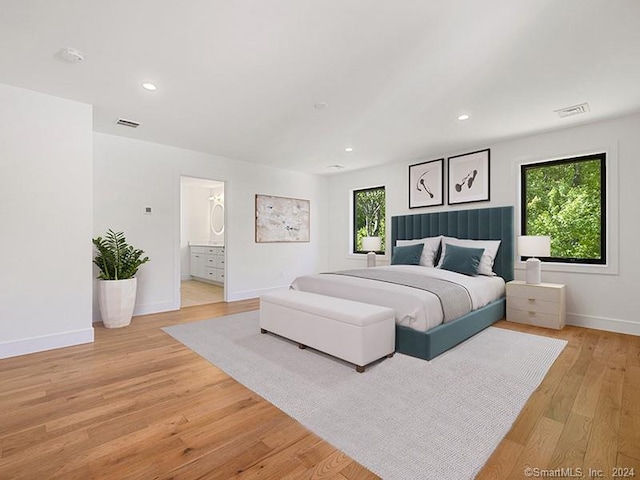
<point x="469" y="177"/>
<point x="426" y="184"/>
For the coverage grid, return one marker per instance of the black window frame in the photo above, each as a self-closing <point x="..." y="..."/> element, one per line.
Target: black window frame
<point x="602" y="156"/>
<point x="354" y="234"/>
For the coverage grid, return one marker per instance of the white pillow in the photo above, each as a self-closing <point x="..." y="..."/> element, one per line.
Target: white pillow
<point x="488" y="257"/>
<point x="429" y="252"/>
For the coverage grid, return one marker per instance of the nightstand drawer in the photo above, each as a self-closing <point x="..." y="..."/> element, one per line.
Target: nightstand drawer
<point x="541" y="292"/>
<point x="535" y="318"/>
<point x="534" y="305"/>
<point x="539" y="304"/>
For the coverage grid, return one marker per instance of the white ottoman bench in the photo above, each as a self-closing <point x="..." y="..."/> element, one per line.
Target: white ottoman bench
<point x="356" y="332"/>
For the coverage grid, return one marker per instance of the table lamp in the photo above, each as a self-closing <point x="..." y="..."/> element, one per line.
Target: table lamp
<point x="371" y="245"/>
<point x="533" y="246"/>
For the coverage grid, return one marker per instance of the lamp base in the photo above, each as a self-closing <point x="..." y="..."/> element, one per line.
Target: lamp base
<point x="533" y="270"/>
<point x="371" y="259"/>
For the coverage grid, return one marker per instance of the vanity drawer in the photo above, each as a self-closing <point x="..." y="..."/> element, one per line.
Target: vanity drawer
<point x="214" y="274"/>
<point x="216" y="261"/>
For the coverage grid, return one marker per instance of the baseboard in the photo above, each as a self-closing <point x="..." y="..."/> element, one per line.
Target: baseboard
<point x="184" y="278"/>
<point x="603" y="323"/>
<point x="247" y="294"/>
<point x="45" y="342"/>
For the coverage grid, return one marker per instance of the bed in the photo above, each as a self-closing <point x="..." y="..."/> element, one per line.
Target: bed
<point x="421" y="338"/>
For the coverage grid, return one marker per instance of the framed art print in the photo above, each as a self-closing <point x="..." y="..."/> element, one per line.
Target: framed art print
<point x="281" y="219"/>
<point x="426" y="184"/>
<point x="469" y="177"/>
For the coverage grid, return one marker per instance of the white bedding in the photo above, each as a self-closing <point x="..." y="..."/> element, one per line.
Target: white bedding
<point x="415" y="308"/>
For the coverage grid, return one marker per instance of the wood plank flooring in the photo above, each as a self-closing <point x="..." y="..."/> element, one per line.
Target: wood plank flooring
<point x="193" y="292"/>
<point x="136" y="404"/>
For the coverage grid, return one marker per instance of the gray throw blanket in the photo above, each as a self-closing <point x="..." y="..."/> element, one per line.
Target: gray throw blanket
<point x="454" y="298"/>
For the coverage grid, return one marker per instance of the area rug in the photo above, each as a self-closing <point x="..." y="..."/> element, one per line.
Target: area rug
<point x="404" y="418"/>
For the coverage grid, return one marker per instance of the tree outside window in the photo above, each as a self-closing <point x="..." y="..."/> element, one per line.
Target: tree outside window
<point x="369" y="215"/>
<point x="565" y="199"/>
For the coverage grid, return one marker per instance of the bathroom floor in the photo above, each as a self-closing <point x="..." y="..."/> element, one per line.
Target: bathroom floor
<point x="193" y="293"/>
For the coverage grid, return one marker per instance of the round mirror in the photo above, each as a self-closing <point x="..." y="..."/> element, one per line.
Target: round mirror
<point x="217" y="218"/>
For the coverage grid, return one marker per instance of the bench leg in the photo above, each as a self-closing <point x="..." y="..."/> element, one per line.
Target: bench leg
<point x="359" y="369"/>
<point x="262" y="330"/>
<point x="301" y="346"/>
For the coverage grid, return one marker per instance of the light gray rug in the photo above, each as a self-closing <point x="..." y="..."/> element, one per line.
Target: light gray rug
<point x="404" y="418"/>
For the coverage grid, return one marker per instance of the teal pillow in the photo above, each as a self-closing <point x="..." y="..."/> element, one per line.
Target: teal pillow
<point x="408" y="255"/>
<point x="462" y="259"/>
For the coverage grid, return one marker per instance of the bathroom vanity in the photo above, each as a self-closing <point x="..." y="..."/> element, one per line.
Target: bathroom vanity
<point x="207" y="263"/>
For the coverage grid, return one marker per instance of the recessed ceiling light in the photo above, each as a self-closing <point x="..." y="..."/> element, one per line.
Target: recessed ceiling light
<point x="464" y="117"/>
<point x="321" y="105"/>
<point x="149" y="86"/>
<point x="335" y="167"/>
<point x="348" y="149"/>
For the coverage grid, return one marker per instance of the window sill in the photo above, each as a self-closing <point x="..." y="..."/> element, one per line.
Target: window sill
<point x="573" y="268"/>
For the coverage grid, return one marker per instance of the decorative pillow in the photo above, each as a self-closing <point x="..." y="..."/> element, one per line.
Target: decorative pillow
<point x="462" y="259"/>
<point x="490" y="251"/>
<point x="409" y="255"/>
<point x="429" y="252"/>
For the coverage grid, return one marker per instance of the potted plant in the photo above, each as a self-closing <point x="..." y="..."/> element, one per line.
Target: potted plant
<point x="118" y="263"/>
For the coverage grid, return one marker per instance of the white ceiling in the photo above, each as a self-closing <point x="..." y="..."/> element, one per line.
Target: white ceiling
<point x="240" y="77"/>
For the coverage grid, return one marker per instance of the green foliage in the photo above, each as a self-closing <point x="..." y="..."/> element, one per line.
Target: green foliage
<point x="370" y="215"/>
<point x="564" y="202"/>
<point x="116" y="259"/>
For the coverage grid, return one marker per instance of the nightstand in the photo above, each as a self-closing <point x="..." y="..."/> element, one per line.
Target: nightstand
<point x="539" y="304"/>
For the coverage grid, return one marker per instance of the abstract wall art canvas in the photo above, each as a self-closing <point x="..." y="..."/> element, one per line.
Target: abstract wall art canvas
<point x="469" y="177"/>
<point x="426" y="182"/>
<point x="281" y="219"/>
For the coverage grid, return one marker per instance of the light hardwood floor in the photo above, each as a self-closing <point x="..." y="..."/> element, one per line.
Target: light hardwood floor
<point x="136" y="404"/>
<point x="193" y="292"/>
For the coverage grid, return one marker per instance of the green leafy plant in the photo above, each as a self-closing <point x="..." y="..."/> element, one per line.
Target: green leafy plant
<point x="116" y="259"/>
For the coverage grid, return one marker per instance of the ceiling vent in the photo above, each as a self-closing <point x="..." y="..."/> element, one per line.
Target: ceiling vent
<point x="574" y="110"/>
<point x="128" y="123"/>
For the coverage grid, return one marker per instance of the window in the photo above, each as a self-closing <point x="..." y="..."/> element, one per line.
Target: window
<point x="565" y="199"/>
<point x="368" y="216"/>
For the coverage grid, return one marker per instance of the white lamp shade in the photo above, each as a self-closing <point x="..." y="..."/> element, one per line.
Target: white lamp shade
<point x="371" y="244"/>
<point x="534" y="246"/>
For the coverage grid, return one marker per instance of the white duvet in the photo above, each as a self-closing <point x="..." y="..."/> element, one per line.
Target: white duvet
<point x="415" y="308"/>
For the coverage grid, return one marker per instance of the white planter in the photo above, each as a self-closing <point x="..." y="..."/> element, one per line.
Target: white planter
<point x="117" y="299"/>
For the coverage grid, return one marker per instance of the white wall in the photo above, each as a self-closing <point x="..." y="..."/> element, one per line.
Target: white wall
<point x="45" y="222"/>
<point x="195" y="213"/>
<point x="599" y="300"/>
<point x="195" y="207"/>
<point x="131" y="174"/>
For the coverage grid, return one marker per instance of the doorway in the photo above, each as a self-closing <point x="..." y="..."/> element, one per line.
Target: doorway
<point x="202" y="241"/>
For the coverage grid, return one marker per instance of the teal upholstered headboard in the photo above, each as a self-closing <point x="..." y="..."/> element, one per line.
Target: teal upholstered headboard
<point x="478" y="224"/>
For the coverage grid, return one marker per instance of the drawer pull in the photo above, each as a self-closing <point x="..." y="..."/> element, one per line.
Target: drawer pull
<point x="531" y="299"/>
<point x="532" y="313"/>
